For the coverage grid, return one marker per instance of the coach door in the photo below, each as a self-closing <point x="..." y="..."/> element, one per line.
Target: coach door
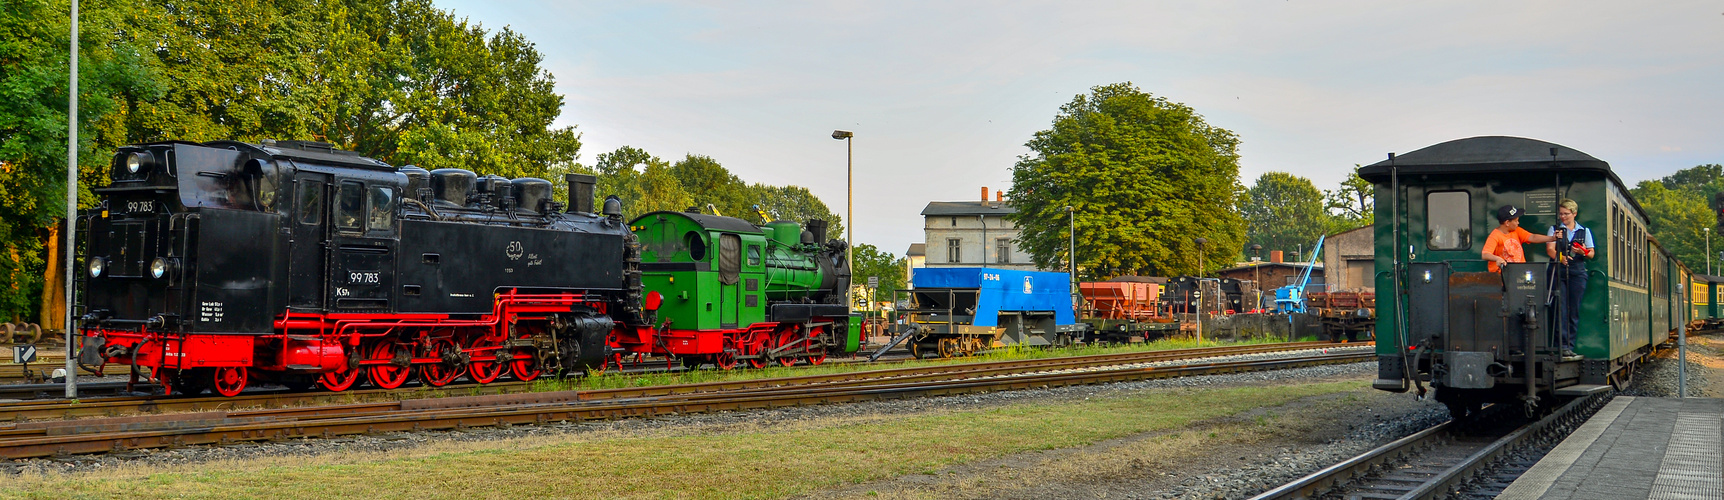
<point x="361" y="258"/>
<point x="729" y="275"/>
<point x="308" y="245"/>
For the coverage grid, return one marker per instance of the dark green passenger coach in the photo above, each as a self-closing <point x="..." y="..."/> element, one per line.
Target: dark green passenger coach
<point x="1478" y="336"/>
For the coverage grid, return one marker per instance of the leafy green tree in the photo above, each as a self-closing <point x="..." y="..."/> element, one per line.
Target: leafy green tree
<point x="643" y="182"/>
<point x="34" y="39"/>
<point x="872" y="262"/>
<point x="1145" y="175"/>
<point x="1284" y="211"/>
<point x="1353" y="204"/>
<point x="401" y="81"/>
<point x="1678" y="208"/>
<point x="711" y="184"/>
<point x="797" y="203"/>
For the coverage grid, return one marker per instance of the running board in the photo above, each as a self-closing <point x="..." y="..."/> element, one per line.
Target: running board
<point x="909" y="330"/>
<point x="1581" y="390"/>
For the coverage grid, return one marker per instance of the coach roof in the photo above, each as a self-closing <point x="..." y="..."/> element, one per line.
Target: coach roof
<point x="1485" y="154"/>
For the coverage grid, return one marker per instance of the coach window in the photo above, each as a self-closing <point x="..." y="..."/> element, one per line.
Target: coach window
<point x="1448" y="216"/>
<point x="350" y="207"/>
<point x="382" y="209"/>
<point x="753" y="255"/>
<point x="310" y="202"/>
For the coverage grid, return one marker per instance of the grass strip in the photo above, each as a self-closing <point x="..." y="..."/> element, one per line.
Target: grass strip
<point x="758" y="460"/>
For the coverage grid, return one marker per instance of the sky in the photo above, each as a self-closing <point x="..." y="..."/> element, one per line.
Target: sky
<point x="942" y="96"/>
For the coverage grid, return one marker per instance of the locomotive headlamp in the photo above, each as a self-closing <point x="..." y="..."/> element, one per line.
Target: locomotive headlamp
<point x="159" y="268"/>
<point x="97" y="265"/>
<point x="133" y="163"/>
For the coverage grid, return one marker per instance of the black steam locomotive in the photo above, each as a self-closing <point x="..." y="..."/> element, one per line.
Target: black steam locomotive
<point x="214" y="265"/>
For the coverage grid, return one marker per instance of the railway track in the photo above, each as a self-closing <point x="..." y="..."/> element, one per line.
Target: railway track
<point x="48" y="438"/>
<point x="1477" y="458"/>
<point x="133" y="405"/>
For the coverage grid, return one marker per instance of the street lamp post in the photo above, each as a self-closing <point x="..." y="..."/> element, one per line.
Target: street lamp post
<point x="1071" y="254"/>
<point x="1708" y="249"/>
<point x="1200" y="242"/>
<point x="849" y="207"/>
<point x="72" y="213"/>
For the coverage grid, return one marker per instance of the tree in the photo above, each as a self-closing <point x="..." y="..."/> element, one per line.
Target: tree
<point x="34" y="65"/>
<point x="1145" y="176"/>
<point x="1678" y="207"/>
<point x="711" y="184"/>
<point x="1284" y="211"/>
<point x="400" y="81"/>
<point x="1353" y="204"/>
<point x="643" y="182"/>
<point x="797" y="203"/>
<point x="871" y="262"/>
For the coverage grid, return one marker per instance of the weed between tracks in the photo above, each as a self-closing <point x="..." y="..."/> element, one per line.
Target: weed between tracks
<point x="756" y="459"/>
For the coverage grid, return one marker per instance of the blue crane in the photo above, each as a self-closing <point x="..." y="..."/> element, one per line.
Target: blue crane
<point x="1291" y="298"/>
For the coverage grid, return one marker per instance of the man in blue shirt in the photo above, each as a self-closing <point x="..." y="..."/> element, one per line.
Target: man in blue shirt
<point x="1571" y="250"/>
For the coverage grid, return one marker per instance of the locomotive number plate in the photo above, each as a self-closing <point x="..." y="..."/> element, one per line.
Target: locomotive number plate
<point x="362" y="277"/>
<point x="140" y="207"/>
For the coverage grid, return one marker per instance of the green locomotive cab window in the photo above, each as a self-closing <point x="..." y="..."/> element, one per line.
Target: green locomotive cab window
<point x="382" y="209"/>
<point x="310" y="202"/>
<point x="1448" y="220"/>
<point x="696" y="246"/>
<point x="350" y="207"/>
<point x="753" y="255"/>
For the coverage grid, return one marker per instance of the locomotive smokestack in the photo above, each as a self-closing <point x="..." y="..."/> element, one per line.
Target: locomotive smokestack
<point x="581" y="192"/>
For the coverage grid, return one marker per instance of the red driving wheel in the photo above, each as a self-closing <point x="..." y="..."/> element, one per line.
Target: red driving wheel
<point x="443" y="372"/>
<point x="386" y="375"/>
<point x="484" y="368"/>
<point x="787" y="339"/>
<point x="228" y="380"/>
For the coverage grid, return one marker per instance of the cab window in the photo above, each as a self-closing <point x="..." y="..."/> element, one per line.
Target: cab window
<point x="1448" y="220"/>
<point x="350" y="207"/>
<point x="310" y="202"/>
<point x="753" y="255"/>
<point x="382" y="209"/>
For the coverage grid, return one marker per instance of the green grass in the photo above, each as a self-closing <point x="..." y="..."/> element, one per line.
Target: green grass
<point x="613" y="380"/>
<point x="759" y="460"/>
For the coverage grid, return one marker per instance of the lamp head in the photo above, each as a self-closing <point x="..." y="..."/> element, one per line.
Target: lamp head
<point x="842" y="134"/>
<point x="1200" y="241"/>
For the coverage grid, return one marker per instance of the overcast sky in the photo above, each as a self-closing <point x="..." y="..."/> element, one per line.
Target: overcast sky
<point x="943" y="95"/>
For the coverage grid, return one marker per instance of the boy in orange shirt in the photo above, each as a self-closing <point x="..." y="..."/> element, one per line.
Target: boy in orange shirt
<point x="1504" y="244"/>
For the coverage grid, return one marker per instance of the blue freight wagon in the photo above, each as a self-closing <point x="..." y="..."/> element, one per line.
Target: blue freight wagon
<point x="958" y="311"/>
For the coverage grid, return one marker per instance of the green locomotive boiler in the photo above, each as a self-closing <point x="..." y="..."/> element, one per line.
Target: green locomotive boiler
<point x="725" y="291"/>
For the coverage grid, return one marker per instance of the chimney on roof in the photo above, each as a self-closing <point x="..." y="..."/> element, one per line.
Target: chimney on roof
<point x="984" y="195"/>
<point x="1000" y="196"/>
<point x="1274" y="256"/>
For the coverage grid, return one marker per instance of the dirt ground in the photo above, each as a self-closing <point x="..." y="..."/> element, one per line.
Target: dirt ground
<point x="1153" y="465"/>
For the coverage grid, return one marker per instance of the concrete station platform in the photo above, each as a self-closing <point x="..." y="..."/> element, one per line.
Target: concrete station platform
<point x="1661" y="448"/>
